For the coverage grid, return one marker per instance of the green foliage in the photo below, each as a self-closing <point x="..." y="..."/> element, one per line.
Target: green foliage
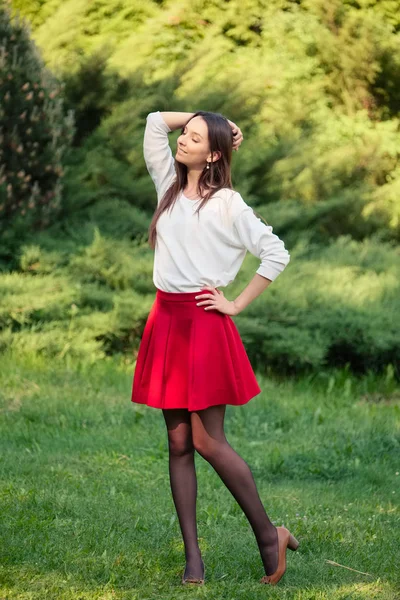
<point x="389" y="9"/>
<point x="36" y="11"/>
<point x="34" y="134"/>
<point x="336" y="306"/>
<point x="113" y="263"/>
<point x="87" y="305"/>
<point x="92" y="91"/>
<point x="319" y="112"/>
<point x="74" y="28"/>
<point x="314" y="86"/>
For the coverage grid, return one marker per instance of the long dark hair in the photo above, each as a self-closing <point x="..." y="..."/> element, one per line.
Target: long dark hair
<point x="211" y="180"/>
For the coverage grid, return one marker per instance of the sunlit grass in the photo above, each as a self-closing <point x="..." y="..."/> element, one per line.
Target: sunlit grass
<point x="87" y="511"/>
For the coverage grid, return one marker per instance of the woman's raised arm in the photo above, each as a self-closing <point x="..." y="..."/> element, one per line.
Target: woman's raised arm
<point x="157" y="153"/>
<point x="176" y="120"/>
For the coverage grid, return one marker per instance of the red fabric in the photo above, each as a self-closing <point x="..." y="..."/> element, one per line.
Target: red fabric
<point x="190" y="357"/>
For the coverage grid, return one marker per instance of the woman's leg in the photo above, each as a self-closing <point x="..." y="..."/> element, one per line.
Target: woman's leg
<point x="183" y="482"/>
<point x="210" y="441"/>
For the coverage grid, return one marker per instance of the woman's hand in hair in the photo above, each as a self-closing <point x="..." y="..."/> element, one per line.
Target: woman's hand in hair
<point x="215" y="300"/>
<point x="237" y="135"/>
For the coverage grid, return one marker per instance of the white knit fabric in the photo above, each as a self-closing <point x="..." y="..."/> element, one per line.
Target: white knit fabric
<point x="208" y="249"/>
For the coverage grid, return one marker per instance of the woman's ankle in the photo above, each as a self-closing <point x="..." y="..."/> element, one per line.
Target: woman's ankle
<point x="193" y="554"/>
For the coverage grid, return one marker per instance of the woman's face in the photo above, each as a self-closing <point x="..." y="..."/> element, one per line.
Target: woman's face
<point x="192" y="145"/>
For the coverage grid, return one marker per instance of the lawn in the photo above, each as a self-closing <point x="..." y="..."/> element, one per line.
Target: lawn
<point x="86" y="508"/>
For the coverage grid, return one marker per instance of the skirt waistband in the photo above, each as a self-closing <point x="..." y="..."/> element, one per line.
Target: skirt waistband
<point x="178" y="296"/>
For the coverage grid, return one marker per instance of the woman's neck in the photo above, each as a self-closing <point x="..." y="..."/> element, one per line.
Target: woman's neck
<point x="193" y="176"/>
<point x="190" y="189"/>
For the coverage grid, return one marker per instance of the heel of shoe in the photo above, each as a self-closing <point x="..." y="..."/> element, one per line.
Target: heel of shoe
<point x="293" y="544"/>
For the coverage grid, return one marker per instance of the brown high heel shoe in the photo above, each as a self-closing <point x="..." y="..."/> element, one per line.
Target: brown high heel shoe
<point x="193" y="579"/>
<point x="285" y="540"/>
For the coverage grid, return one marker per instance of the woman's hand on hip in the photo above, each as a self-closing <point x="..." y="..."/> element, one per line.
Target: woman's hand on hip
<point x="215" y="300"/>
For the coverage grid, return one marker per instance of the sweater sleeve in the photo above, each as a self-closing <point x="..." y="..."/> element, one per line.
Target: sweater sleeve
<point x="157" y="153"/>
<point x="259" y="240"/>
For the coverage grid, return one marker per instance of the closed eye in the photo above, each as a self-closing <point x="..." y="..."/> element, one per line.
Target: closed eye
<point x="183" y="131"/>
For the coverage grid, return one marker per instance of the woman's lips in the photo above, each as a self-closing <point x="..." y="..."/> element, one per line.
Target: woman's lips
<point x="180" y="150"/>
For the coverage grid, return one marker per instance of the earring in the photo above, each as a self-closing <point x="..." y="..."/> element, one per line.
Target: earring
<point x="208" y="165"/>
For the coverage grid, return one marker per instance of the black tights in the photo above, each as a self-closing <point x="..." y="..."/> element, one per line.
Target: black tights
<point x="204" y="431"/>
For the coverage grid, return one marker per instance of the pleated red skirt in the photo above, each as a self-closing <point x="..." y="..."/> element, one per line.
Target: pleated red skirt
<point x="190" y="357"/>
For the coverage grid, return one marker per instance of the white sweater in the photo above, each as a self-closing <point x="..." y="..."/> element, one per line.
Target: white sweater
<point x="205" y="250"/>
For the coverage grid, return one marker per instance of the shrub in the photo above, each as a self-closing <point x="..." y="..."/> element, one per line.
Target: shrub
<point x="34" y="135"/>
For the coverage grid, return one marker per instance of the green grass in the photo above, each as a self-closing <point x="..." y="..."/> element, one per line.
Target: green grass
<point x="86" y="508"/>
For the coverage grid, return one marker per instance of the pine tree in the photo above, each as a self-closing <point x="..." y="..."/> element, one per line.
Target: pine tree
<point x="35" y="132"/>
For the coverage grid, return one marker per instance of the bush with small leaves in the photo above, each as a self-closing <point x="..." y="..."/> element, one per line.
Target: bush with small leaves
<point x="35" y="133"/>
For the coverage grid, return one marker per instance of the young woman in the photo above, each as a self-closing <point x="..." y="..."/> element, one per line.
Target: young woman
<point x="192" y="361"/>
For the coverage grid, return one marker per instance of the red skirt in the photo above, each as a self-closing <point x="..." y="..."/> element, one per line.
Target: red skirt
<point x="190" y="357"/>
